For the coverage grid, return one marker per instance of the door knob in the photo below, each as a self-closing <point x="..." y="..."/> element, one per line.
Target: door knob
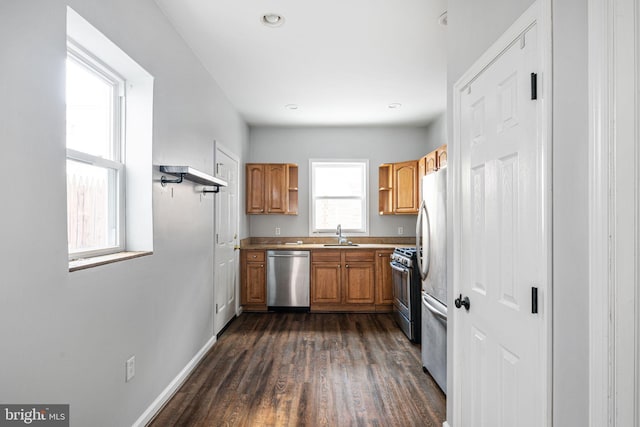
<point x="462" y="302"/>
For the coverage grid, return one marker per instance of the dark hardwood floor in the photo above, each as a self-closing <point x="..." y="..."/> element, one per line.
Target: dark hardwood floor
<point x="303" y="369"/>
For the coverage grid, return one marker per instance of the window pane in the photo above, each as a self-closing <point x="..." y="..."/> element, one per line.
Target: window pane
<point x="331" y="212"/>
<point x="90" y="215"/>
<point x="338" y="180"/>
<point x="89" y="111"/>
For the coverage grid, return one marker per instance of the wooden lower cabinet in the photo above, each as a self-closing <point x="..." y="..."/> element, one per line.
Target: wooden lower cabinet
<point x="253" y="278"/>
<point x="384" y="284"/>
<point x="345" y="280"/>
<point x="325" y="283"/>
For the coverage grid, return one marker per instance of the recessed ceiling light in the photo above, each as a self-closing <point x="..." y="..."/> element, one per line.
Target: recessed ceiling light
<point x="291" y="106"/>
<point x="442" y="19"/>
<point x="272" y="20"/>
<point x="394" y="105"/>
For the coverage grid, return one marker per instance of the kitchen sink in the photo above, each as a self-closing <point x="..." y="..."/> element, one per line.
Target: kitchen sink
<point x="340" y="244"/>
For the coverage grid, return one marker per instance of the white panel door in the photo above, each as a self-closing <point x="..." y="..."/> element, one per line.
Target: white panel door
<point x="226" y="236"/>
<point x="500" y="349"/>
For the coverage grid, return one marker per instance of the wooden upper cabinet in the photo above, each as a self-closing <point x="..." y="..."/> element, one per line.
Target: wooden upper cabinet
<point x="277" y="188"/>
<point x="385" y="189"/>
<point x="255" y="188"/>
<point x="422" y="167"/>
<point x="431" y="163"/>
<point x="272" y="188"/>
<point x="405" y="185"/>
<point x="441" y="153"/>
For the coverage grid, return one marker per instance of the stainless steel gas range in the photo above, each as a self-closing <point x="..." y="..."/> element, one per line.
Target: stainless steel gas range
<point x="406" y="292"/>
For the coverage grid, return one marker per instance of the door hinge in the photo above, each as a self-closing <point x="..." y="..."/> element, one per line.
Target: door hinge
<point x="534" y="86"/>
<point x="534" y="300"/>
<point x="217" y="238"/>
<point x="216" y="308"/>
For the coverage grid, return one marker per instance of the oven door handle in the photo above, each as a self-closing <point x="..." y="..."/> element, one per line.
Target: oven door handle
<point x="402" y="269"/>
<point x="435" y="306"/>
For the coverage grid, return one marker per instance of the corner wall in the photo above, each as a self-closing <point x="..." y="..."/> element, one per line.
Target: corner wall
<point x="66" y="336"/>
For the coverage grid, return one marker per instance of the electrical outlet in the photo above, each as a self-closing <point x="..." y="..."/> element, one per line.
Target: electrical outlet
<point x="277" y="231"/>
<point x="400" y="231"/>
<point x="130" y="365"/>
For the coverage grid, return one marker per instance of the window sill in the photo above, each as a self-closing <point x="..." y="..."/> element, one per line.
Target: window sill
<point x="82" y="264"/>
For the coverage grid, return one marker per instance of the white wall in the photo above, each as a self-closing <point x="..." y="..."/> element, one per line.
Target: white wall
<point x="298" y="145"/>
<point x="570" y="214"/>
<point x="66" y="335"/>
<point x="473" y="27"/>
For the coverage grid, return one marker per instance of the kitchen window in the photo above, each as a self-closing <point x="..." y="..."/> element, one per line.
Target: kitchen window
<point x="95" y="167"/>
<point x="338" y="196"/>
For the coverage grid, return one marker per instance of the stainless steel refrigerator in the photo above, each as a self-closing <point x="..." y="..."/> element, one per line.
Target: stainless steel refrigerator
<point x="431" y="248"/>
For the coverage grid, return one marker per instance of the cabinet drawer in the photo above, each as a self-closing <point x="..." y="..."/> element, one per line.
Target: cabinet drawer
<point x="325" y="256"/>
<point x="359" y="255"/>
<point x="255" y="256"/>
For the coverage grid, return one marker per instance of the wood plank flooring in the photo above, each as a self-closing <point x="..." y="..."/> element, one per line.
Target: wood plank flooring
<point x="304" y="369"/>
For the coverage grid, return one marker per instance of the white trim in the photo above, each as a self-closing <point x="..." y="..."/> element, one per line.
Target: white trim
<point x="173" y="386"/>
<point x="365" y="199"/>
<point x="217" y="146"/>
<point x="445" y="424"/>
<point x="539" y="13"/>
<point x="601" y="307"/>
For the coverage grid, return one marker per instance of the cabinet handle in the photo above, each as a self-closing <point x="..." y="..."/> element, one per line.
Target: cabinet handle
<point x="261" y="265"/>
<point x="346" y="266"/>
<point x="338" y="265"/>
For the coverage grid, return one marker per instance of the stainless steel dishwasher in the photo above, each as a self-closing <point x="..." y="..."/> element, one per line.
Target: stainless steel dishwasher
<point x="288" y="280"/>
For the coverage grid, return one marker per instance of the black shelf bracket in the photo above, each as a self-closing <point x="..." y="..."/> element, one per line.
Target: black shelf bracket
<point x="164" y="181"/>
<point x="217" y="190"/>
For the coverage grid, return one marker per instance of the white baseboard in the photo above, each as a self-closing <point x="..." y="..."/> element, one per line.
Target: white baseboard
<point x="173" y="386"/>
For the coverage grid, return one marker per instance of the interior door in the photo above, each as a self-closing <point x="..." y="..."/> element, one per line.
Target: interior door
<point x="226" y="236"/>
<point x="500" y="345"/>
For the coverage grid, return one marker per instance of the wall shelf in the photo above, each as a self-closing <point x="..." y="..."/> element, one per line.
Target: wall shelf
<point x="191" y="174"/>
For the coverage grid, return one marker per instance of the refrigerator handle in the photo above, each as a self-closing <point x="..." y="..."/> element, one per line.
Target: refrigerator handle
<point x="419" y="237"/>
<point x="423" y="261"/>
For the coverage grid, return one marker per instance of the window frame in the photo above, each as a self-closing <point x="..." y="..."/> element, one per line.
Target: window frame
<point x="364" y="231"/>
<point x="116" y="162"/>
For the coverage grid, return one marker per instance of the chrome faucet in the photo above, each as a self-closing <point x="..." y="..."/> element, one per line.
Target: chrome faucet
<point x="341" y="238"/>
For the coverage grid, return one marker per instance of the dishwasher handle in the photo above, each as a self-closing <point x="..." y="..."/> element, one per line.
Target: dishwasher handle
<point x="287" y="256"/>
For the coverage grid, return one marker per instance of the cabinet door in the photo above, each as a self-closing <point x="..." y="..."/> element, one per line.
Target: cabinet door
<point x="405" y="185"/>
<point x="422" y="167"/>
<point x="358" y="283"/>
<point x="441" y="153"/>
<point x="384" y="284"/>
<point x="325" y="283"/>
<point x="277" y="189"/>
<point x="431" y="162"/>
<point x="255" y="188"/>
<point x="255" y="286"/>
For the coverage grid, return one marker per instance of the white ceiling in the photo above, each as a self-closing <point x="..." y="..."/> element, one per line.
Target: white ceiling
<point x="342" y="62"/>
